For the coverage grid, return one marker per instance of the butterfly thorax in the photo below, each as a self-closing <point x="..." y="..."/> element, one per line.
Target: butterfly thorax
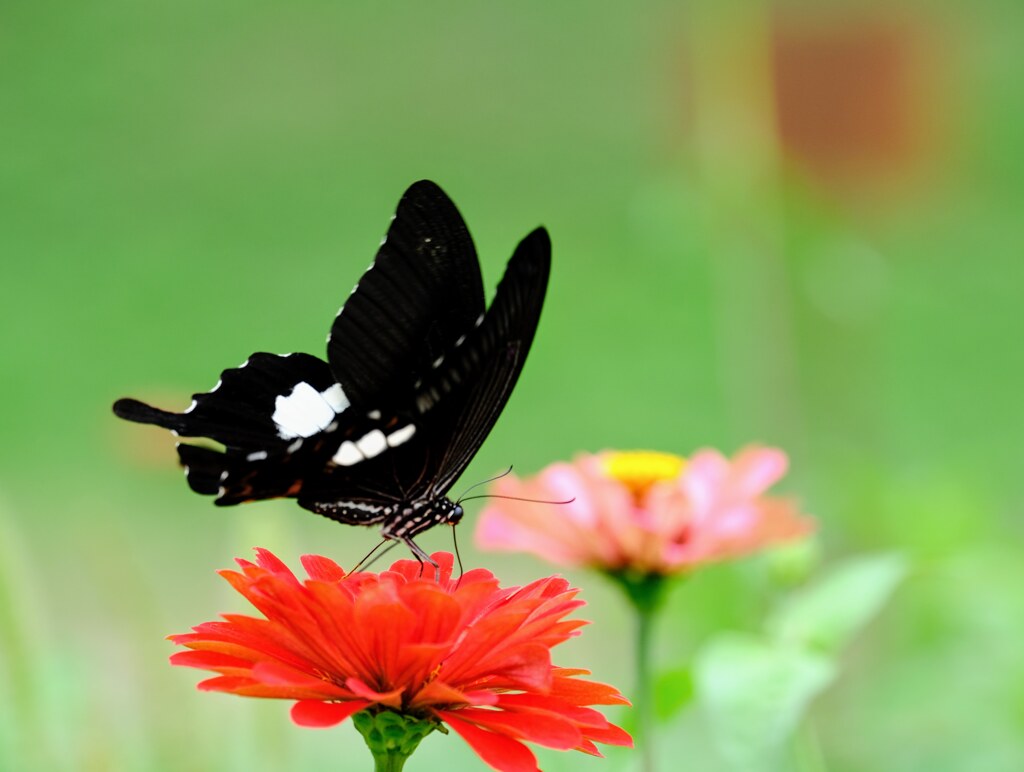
<point x="413" y="517"/>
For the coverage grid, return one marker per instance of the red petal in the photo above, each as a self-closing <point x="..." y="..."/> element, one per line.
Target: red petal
<point x="550" y="730"/>
<point x="535" y="703"/>
<point x="439" y="694"/>
<point x="317" y="714"/>
<point x="580" y="692"/>
<point x="497" y="750"/>
<point x="529" y="668"/>
<point x="392" y="699"/>
<point x="268" y="560"/>
<point x="209" y="660"/>
<point x="224" y="684"/>
<point x="276" y="674"/>
<point x="322" y="569"/>
<point x="247" y="687"/>
<point x="609" y="735"/>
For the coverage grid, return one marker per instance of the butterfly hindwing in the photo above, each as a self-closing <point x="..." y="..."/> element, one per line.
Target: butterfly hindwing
<point x="489" y="361"/>
<point x="262" y="405"/>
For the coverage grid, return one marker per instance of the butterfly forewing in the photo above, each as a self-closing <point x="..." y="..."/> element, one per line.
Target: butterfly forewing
<point x="422" y="291"/>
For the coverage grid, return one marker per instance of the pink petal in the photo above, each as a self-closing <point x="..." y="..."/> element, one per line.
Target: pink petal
<point x="756" y="469"/>
<point x="704" y="477"/>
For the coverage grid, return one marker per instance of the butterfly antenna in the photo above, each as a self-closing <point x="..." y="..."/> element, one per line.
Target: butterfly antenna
<point x="458" y="557"/>
<point x="518" y="498"/>
<point x="506" y="473"/>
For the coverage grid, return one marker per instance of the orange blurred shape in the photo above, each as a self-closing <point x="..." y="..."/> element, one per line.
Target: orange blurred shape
<point x="850" y="93"/>
<point x="145" y="446"/>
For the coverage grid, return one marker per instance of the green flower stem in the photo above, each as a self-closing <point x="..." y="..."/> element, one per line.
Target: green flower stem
<point x="644" y="688"/>
<point x="391" y="737"/>
<point x="389" y="762"/>
<point x="646" y="592"/>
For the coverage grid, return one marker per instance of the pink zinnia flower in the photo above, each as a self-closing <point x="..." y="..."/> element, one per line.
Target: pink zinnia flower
<point x="645" y="513"/>
<point x="428" y="649"/>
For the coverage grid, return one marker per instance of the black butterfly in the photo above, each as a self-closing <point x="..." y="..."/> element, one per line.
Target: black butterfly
<point x="417" y="372"/>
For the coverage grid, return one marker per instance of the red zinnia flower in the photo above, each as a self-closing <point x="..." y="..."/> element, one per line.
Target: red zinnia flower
<point x="467" y="653"/>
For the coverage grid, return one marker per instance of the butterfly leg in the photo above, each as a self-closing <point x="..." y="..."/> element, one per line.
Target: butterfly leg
<point x="416" y="550"/>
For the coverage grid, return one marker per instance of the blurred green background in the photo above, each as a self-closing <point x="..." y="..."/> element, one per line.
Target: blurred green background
<point x="798" y="224"/>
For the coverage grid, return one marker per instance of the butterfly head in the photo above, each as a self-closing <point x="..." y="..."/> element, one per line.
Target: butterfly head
<point x="448" y="512"/>
<point x="455" y="515"/>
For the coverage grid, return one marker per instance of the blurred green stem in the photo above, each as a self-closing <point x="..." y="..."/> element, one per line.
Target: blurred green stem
<point x="646" y="592"/>
<point x="644" y="688"/>
<point x="807" y="750"/>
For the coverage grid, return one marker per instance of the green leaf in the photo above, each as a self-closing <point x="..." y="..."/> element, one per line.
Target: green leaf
<point x="826" y="614"/>
<point x="753" y="693"/>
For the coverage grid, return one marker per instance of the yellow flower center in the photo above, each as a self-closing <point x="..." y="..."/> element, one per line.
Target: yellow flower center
<point x="638" y="470"/>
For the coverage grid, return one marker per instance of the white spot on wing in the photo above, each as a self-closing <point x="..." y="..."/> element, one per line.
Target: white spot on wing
<point x="347" y="455"/>
<point x="336" y="398"/>
<point x="373" y="415"/>
<point x="302" y="413"/>
<point x="372" y="443"/>
<point x="399" y="436"/>
<point x="259" y="455"/>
